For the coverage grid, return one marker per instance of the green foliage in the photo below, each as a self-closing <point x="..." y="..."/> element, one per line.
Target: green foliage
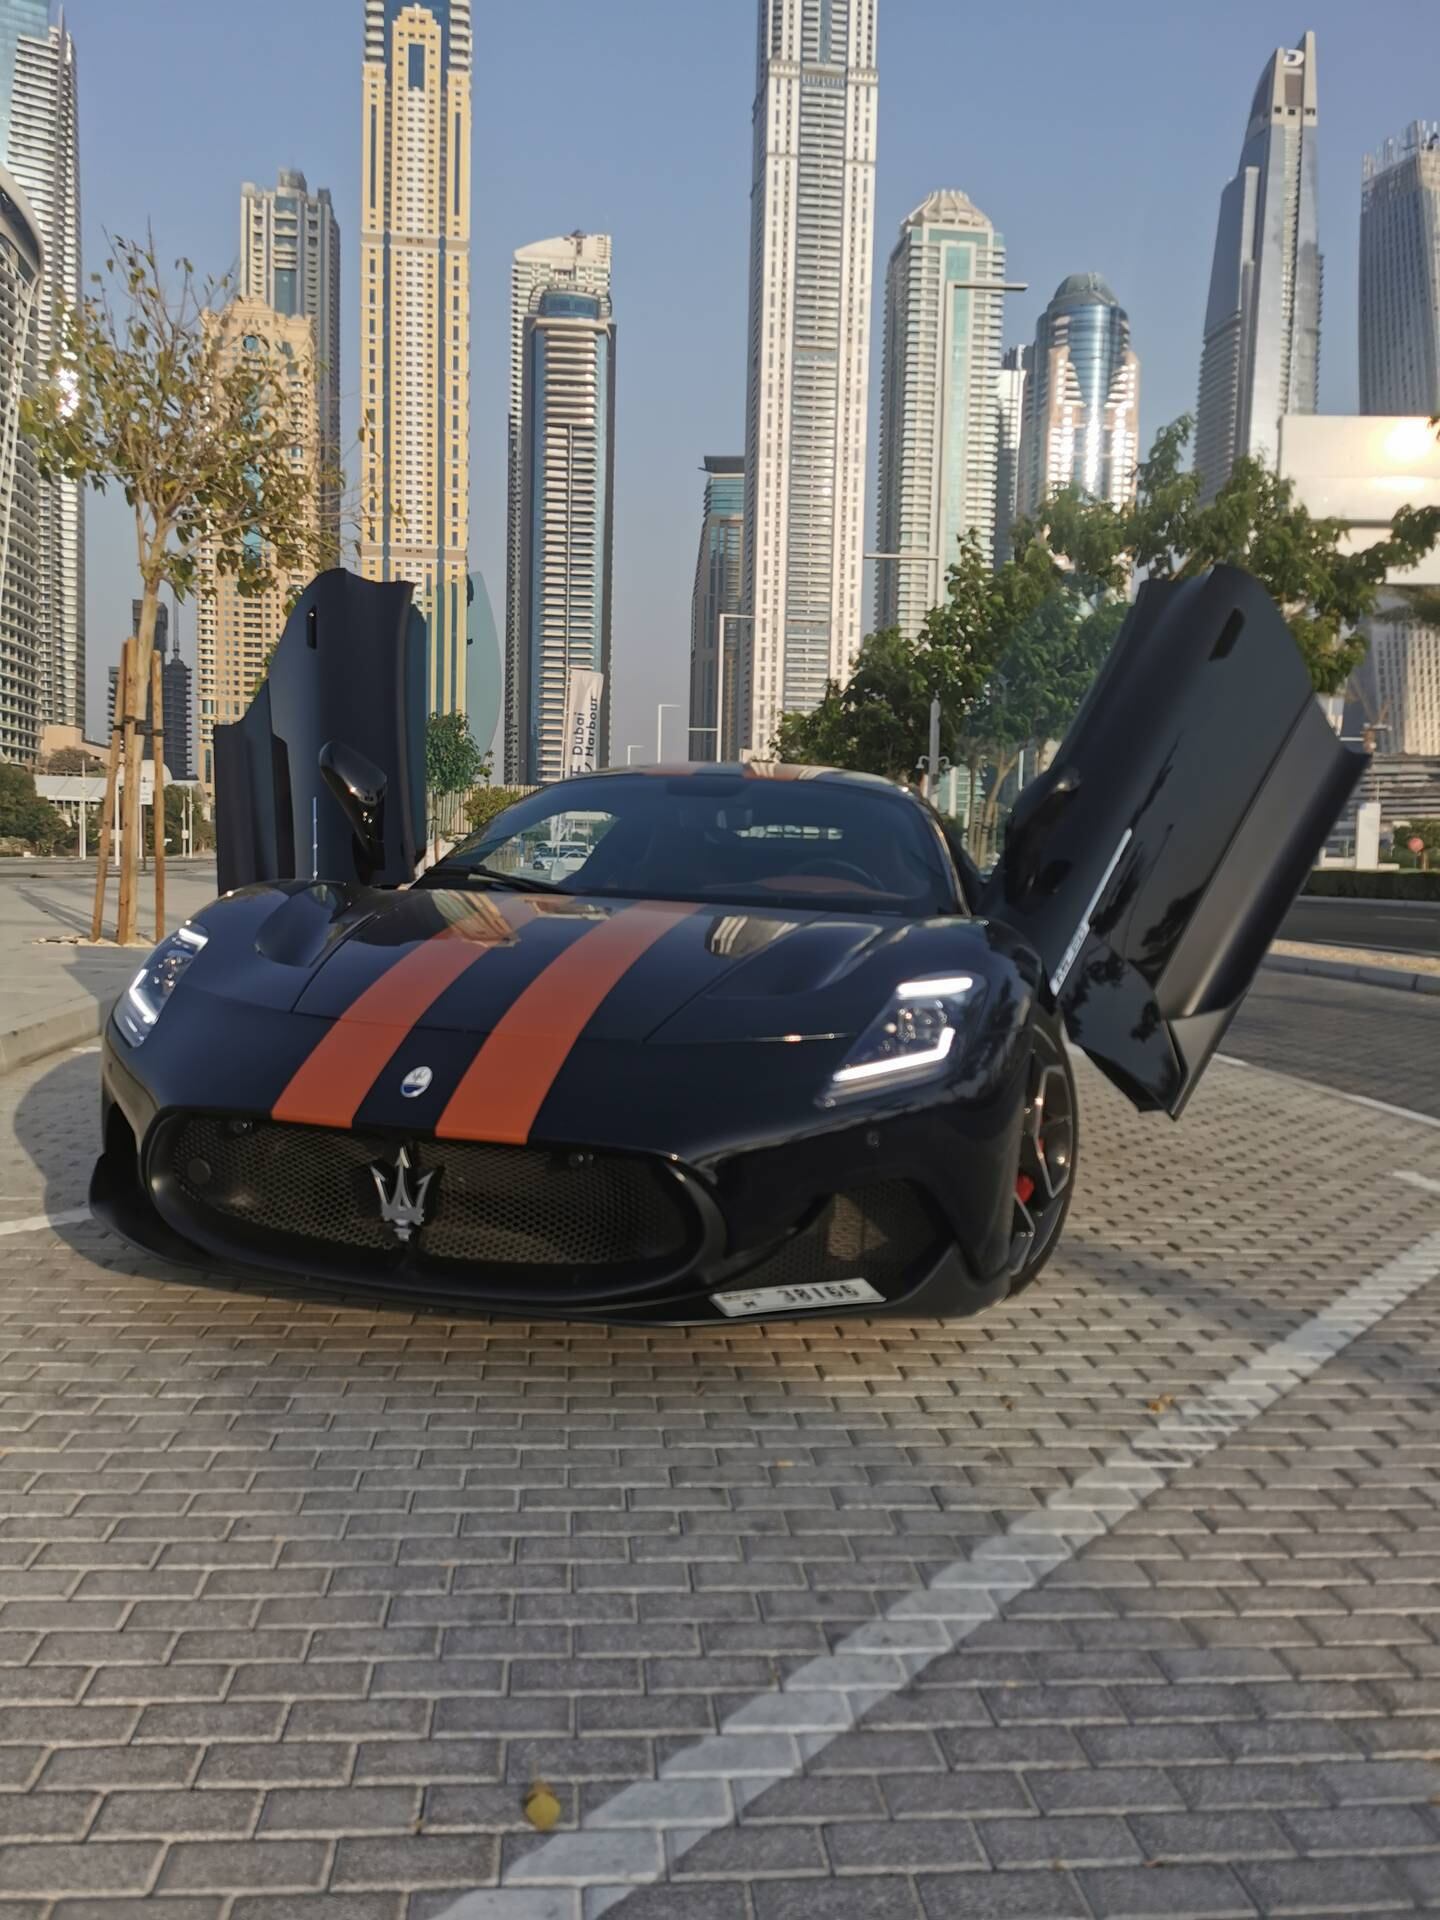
<point x="74" y="760"/>
<point x="486" y="802"/>
<point x="23" y="814"/>
<point x="202" y="830"/>
<point x="1345" y="883"/>
<point x="1428" y="833"/>
<point x="453" y="762"/>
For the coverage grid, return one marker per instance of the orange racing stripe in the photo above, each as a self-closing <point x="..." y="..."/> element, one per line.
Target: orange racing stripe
<point x="329" y="1085"/>
<point x="506" y="1084"/>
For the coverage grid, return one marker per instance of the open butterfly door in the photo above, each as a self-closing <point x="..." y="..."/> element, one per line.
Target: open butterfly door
<point x="1152" y="864"/>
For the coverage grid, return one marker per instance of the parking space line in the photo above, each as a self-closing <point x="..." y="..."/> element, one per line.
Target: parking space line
<point x="1421" y="1180"/>
<point x="629" y="1841"/>
<point x="36" y="1222"/>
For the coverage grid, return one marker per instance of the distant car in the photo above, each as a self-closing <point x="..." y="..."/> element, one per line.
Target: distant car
<point x="542" y="856"/>
<point x="778" y="1049"/>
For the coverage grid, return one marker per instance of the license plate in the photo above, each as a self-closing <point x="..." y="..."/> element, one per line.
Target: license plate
<point x="828" y="1293"/>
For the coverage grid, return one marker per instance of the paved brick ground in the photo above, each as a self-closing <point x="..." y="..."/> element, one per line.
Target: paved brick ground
<point x="298" y="1596"/>
<point x="1369" y="1040"/>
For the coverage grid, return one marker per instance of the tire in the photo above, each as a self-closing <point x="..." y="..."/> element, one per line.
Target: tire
<point x="1049" y="1139"/>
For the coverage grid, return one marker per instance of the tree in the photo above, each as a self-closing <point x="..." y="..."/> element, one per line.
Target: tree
<point x="23" y="814"/>
<point x="1324" y="591"/>
<point x="74" y="760"/>
<point x="453" y="765"/>
<point x="146" y="393"/>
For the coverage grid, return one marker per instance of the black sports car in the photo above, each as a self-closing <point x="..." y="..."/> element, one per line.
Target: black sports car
<point x="702" y="1042"/>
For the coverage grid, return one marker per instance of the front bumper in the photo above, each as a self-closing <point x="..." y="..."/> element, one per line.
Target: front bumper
<point x="915" y="1200"/>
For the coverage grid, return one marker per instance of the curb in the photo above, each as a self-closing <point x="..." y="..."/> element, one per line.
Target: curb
<point x="68" y="1027"/>
<point x="1395" y="978"/>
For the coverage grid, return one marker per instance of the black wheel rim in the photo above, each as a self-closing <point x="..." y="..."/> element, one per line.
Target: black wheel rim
<point x="1047" y="1147"/>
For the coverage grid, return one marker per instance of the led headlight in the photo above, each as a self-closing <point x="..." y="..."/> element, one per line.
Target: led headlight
<point x="913" y="1038"/>
<point x="143" y="1001"/>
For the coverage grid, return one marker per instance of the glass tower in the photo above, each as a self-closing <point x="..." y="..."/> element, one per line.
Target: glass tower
<point x="944" y="320"/>
<point x="717" y="592"/>
<point x="414" y="374"/>
<point x="1400" y="274"/>
<point x="1261" y="357"/>
<point x="567" y="491"/>
<point x="21" y="265"/>
<point x="1081" y="407"/>
<point x="812" y="224"/>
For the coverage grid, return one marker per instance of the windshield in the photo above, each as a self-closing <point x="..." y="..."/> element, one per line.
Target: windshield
<point x="721" y="837"/>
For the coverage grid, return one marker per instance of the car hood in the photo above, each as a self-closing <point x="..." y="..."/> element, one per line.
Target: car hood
<point x="459" y="961"/>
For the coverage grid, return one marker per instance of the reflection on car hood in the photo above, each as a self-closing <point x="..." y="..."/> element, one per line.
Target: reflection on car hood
<point x="704" y="972"/>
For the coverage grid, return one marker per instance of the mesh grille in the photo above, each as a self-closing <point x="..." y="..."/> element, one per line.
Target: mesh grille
<point x="486" y="1206"/>
<point x="876" y="1233"/>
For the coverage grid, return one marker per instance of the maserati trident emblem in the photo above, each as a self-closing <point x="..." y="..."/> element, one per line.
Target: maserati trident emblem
<point x="415" y="1082"/>
<point x="399" y="1207"/>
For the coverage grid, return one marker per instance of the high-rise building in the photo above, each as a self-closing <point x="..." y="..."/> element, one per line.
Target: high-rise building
<point x="22" y="258"/>
<point x="939" y="440"/>
<point x="176" y="715"/>
<point x="1261" y="357"/>
<point x="1081" y="407"/>
<point x="1400" y="274"/>
<point x="1010" y="408"/>
<point x="290" y="262"/>
<point x="414" y="376"/>
<point x="812" y="227"/>
<point x="236" y="633"/>
<point x="567" y="490"/>
<point x="39" y="116"/>
<point x="713" y="714"/>
<point x="578" y="263"/>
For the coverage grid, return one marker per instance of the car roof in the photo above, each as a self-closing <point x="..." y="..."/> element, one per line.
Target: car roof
<point x="779" y="770"/>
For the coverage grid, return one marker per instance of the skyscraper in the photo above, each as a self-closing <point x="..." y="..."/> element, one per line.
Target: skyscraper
<point x="812" y="225"/>
<point x="1081" y="410"/>
<point x="22" y="259"/>
<point x="567" y="489"/>
<point x="939" y="439"/>
<point x="177" y="704"/>
<point x="1400" y="274"/>
<point x="580" y="263"/>
<point x="39" y="117"/>
<point x="717" y="592"/>
<point x="290" y="262"/>
<point x="1261" y="357"/>
<point x="415" y="316"/>
<point x="1010" y="407"/>
<point x="236" y="633"/>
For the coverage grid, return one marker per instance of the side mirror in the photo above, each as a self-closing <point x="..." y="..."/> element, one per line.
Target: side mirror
<point x="359" y="786"/>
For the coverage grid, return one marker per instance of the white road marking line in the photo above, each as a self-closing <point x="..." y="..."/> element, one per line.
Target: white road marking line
<point x="629" y="1841"/>
<point x="94" y="1049"/>
<point x="1336" y="1093"/>
<point x="36" y="1222"/>
<point x="1421" y="1180"/>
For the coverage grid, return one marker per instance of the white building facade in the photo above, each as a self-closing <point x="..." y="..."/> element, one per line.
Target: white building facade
<point x="21" y="267"/>
<point x="579" y="263"/>
<point x="812" y="210"/>
<point x="414" y="377"/>
<point x="42" y="151"/>
<point x="939" y="424"/>
<point x="1010" y="419"/>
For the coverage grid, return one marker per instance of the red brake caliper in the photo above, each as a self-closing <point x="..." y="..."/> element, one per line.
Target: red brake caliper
<point x="1024" y="1187"/>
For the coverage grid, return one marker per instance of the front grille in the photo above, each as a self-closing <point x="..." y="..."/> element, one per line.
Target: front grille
<point x="307" y="1191"/>
<point x="881" y="1233"/>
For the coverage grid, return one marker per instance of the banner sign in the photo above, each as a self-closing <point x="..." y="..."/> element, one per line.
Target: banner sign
<point x="582" y="721"/>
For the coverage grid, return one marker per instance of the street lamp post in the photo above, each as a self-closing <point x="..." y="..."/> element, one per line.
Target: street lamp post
<point x="631" y="751"/>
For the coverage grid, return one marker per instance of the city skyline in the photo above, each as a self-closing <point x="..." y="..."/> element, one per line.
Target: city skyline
<point x="673" y="417"/>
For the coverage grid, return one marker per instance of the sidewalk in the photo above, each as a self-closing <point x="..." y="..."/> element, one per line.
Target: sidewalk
<point x="1409" y="972"/>
<point x="57" y="992"/>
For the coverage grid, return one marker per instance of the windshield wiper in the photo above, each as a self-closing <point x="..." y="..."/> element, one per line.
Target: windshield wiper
<point x="492" y="877"/>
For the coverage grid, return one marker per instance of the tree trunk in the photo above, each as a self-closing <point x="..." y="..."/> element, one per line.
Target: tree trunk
<point x="107" y="809"/>
<point x="137" y="682"/>
<point x="157" y="803"/>
<point x="1004" y="767"/>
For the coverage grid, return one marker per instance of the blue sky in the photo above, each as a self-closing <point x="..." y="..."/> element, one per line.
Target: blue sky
<point x="1097" y="138"/>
